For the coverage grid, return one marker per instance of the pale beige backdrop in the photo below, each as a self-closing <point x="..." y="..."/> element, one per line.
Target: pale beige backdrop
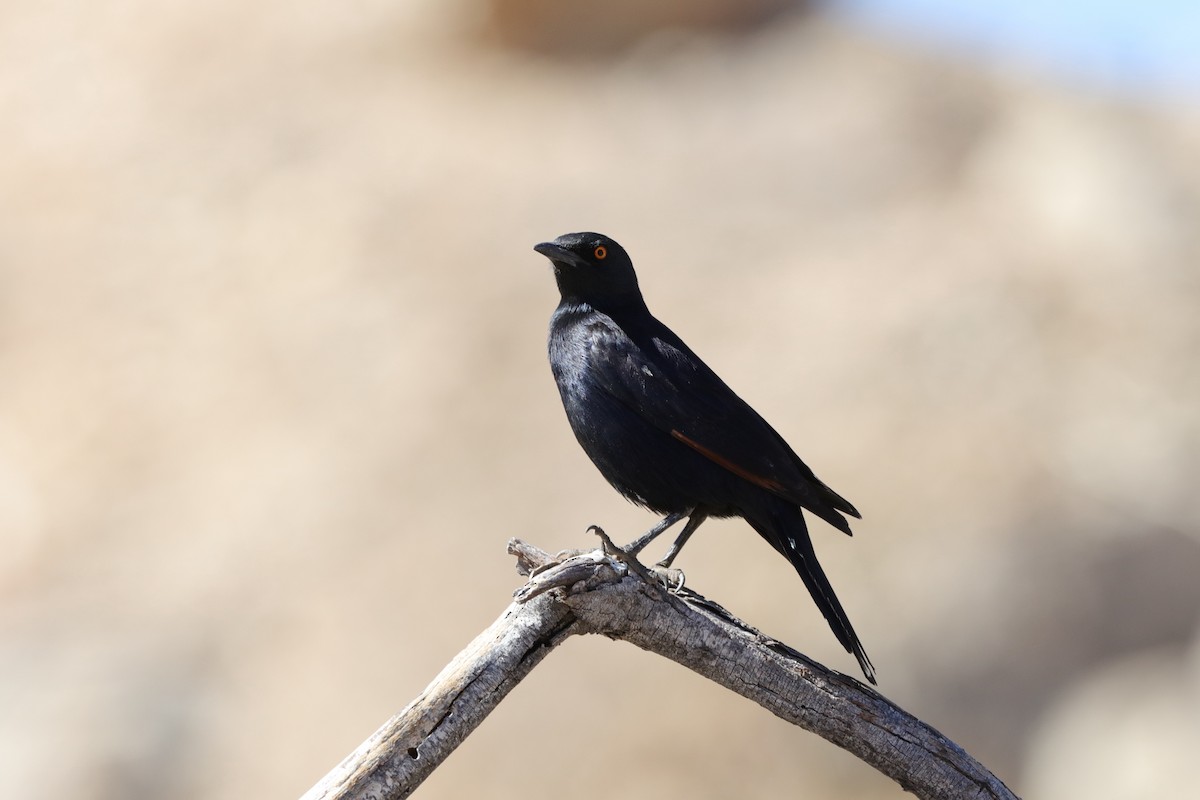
<point x="273" y="393"/>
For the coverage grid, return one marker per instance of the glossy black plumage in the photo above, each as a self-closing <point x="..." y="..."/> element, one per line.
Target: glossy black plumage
<point x="668" y="433"/>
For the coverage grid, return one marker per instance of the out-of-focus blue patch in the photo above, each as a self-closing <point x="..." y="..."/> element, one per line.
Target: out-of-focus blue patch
<point x="1136" y="46"/>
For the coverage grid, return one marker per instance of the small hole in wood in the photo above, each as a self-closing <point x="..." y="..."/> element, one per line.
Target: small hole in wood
<point x="413" y="753"/>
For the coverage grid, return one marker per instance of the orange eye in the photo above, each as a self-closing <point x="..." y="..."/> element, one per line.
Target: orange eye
<point x="600" y="253"/>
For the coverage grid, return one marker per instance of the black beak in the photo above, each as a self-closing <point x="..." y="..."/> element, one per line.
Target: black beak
<point x="558" y="254"/>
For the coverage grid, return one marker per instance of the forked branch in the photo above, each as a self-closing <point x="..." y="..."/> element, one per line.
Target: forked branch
<point x="607" y="592"/>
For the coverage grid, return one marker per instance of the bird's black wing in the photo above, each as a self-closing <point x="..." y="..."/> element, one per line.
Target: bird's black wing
<point x="651" y="371"/>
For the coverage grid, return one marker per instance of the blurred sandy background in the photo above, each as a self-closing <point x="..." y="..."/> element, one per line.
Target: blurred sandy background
<point x="273" y="390"/>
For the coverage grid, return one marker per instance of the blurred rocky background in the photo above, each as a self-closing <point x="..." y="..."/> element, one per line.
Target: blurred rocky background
<point x="273" y="389"/>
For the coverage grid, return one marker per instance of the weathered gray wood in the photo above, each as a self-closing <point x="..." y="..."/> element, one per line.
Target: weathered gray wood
<point x="607" y="592"/>
<point x="400" y="755"/>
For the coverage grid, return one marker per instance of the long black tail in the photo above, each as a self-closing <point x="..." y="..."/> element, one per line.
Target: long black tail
<point x="783" y="526"/>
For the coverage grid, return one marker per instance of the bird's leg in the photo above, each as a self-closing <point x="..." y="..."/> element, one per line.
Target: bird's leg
<point x="693" y="522"/>
<point x="639" y="544"/>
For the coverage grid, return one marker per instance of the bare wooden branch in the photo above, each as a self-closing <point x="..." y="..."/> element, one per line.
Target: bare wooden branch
<point x="608" y="592"/>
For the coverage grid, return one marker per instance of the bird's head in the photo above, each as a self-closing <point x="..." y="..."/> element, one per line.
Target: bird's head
<point x="593" y="269"/>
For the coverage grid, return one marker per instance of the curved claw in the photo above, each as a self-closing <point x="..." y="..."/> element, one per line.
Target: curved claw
<point x="671" y="579"/>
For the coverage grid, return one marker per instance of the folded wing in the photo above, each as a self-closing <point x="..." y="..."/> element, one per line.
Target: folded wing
<point x="655" y="374"/>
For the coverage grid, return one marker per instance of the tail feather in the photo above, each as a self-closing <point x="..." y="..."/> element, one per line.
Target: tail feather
<point x="829" y="505"/>
<point x="831" y="516"/>
<point x="839" y="502"/>
<point x="787" y="532"/>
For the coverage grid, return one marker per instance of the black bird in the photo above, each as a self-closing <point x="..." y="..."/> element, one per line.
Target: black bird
<point x="669" y="434"/>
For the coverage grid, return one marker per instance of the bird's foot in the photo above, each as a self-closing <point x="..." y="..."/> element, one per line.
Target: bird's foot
<point x="611" y="550"/>
<point x="671" y="579"/>
<point x="607" y="544"/>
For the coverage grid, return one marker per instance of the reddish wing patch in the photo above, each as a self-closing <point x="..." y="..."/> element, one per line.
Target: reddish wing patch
<point x="769" y="484"/>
